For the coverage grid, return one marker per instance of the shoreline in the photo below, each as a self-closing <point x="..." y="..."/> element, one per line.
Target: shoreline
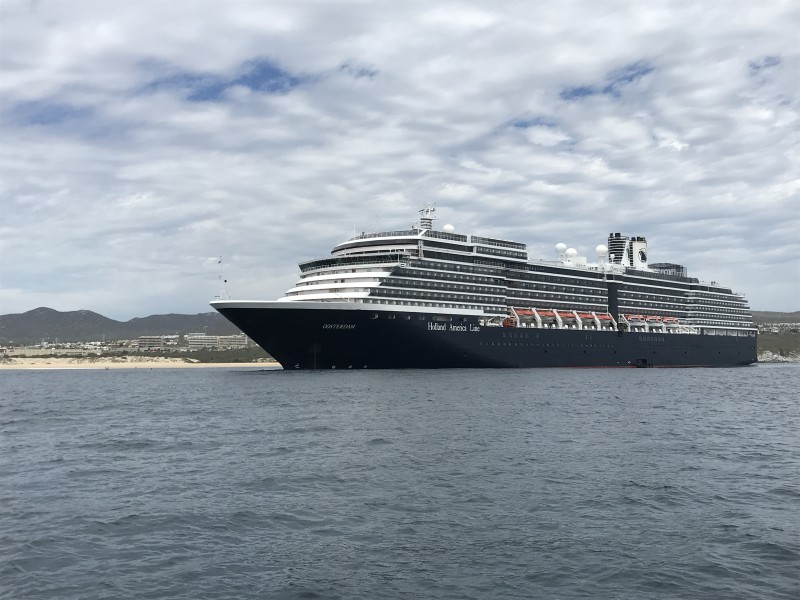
<point x="133" y="362"/>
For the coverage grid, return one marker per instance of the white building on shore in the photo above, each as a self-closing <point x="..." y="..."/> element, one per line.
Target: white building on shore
<point x="200" y="341"/>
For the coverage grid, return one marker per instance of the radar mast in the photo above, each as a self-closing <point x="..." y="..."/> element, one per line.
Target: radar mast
<point x="426" y="217"/>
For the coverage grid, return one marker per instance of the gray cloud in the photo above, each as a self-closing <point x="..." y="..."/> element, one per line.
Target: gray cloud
<point x="142" y="140"/>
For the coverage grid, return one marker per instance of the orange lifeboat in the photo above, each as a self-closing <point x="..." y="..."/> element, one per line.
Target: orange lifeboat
<point x="509" y="322"/>
<point x="653" y="319"/>
<point x="524" y="312"/>
<point x="586" y="316"/>
<point x="634" y="317"/>
<point x="546" y="314"/>
<point x="604" y="317"/>
<point x="670" y="320"/>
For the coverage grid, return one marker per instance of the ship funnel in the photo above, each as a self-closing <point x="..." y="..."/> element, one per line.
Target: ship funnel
<point x="639" y="253"/>
<point x="628" y="251"/>
<point x="617" y="246"/>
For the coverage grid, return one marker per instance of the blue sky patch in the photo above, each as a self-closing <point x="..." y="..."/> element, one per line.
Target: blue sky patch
<point x="630" y="73"/>
<point x="754" y="67"/>
<point x="576" y="93"/>
<point x="358" y="72"/>
<point x="258" y="75"/>
<point x="525" y="123"/>
<point x="263" y="76"/>
<point x="44" y="112"/>
<point x="615" y="82"/>
<point x="625" y="76"/>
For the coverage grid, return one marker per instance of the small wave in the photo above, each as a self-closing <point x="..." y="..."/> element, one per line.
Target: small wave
<point x="119" y="444"/>
<point x="311" y="429"/>
<point x="124" y="521"/>
<point x="327" y="532"/>
<point x="378" y="442"/>
<point x="774" y="551"/>
<point x="479" y="499"/>
<point x="295" y="522"/>
<point x="87" y="473"/>
<point x="291" y="593"/>
<point x="785" y="491"/>
<point x="271" y="484"/>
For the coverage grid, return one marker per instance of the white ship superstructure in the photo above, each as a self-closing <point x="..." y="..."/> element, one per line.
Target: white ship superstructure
<point x="420" y="269"/>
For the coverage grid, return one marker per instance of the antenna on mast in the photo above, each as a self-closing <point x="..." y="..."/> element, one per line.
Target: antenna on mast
<point x="426" y="216"/>
<point x="223" y="292"/>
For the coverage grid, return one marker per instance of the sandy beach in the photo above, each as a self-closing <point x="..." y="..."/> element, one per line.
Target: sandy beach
<point x="118" y="362"/>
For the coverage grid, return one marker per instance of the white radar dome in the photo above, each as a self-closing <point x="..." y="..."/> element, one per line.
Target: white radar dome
<point x="571" y="253"/>
<point x="601" y="250"/>
<point x="448" y="228"/>
<point x="561" y="248"/>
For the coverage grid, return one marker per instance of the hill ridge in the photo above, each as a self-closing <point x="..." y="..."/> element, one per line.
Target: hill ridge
<point x="48" y="324"/>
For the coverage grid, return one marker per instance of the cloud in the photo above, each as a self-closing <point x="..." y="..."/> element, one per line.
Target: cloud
<point x="139" y="140"/>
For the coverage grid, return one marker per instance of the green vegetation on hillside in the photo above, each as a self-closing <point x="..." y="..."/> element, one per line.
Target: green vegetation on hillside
<point x="781" y="344"/>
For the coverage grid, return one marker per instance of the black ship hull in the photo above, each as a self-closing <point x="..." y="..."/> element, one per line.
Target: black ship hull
<point x="301" y="337"/>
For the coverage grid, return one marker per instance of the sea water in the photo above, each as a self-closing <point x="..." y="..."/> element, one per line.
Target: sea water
<point x="568" y="483"/>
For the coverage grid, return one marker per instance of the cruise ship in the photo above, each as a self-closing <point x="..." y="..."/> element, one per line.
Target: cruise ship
<point x="433" y="298"/>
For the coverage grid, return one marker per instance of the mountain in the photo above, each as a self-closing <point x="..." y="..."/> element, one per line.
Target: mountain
<point x="84" y="326"/>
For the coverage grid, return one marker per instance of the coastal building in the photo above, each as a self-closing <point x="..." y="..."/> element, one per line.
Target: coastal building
<point x="157" y="342"/>
<point x="151" y="342"/>
<point x="201" y="341"/>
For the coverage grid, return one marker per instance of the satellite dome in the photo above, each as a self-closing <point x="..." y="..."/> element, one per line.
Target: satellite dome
<point x="448" y="228"/>
<point x="601" y="250"/>
<point x="571" y="253"/>
<point x="561" y="248"/>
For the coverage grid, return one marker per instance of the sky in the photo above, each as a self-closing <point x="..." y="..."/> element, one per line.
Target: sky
<point x="141" y="141"/>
